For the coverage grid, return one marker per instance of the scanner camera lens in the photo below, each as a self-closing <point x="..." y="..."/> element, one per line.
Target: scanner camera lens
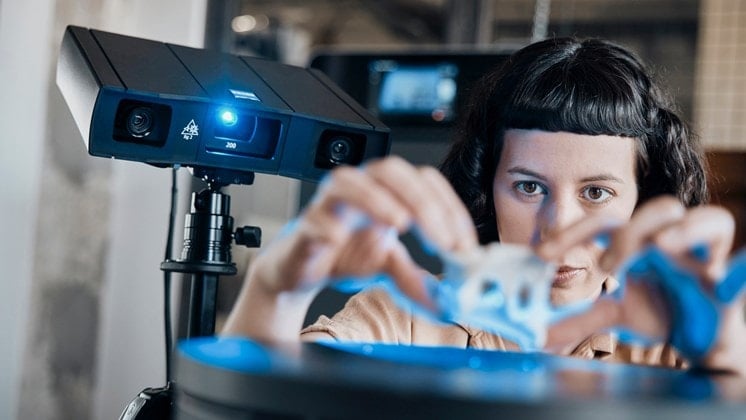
<point x="140" y="122"/>
<point x="339" y="149"/>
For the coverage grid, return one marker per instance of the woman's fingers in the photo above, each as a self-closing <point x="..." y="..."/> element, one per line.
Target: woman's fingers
<point x="604" y="314"/>
<point x="662" y="222"/>
<point x="408" y="275"/>
<point x="698" y="240"/>
<point x="434" y="206"/>
<point x="350" y="228"/>
<point x="458" y="220"/>
<point x="581" y="232"/>
<point x="623" y="240"/>
<point x="708" y="226"/>
<point x="348" y="187"/>
<point x="366" y="252"/>
<point x="392" y="192"/>
<point x="642" y="310"/>
<point x="647" y="221"/>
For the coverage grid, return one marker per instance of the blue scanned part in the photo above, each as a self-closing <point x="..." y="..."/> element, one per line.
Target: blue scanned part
<point x="505" y="290"/>
<point x="694" y="314"/>
<point x="735" y="279"/>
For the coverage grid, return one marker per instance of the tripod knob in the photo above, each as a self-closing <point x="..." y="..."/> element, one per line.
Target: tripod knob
<point x="248" y="236"/>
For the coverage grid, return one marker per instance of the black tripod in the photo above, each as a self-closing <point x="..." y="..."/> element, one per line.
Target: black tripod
<point x="205" y="256"/>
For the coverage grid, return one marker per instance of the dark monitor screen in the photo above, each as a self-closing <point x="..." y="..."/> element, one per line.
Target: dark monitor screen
<point x="406" y="89"/>
<point x="417" y="92"/>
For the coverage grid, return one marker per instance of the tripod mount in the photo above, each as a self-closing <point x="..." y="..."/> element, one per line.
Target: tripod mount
<point x="206" y="252"/>
<point x="205" y="255"/>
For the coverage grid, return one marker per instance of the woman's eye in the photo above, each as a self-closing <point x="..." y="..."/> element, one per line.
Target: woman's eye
<point x="530" y="188"/>
<point x="597" y="194"/>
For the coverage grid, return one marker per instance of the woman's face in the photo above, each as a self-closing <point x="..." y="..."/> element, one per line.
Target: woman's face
<point x="546" y="181"/>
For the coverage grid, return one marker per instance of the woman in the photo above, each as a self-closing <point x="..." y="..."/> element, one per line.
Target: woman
<point x="565" y="140"/>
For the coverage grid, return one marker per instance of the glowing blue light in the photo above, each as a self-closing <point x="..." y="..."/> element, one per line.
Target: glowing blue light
<point x="228" y="117"/>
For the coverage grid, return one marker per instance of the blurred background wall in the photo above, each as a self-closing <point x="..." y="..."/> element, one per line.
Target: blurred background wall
<point x="82" y="238"/>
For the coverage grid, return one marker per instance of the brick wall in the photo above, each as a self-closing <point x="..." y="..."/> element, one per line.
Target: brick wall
<point x="720" y="86"/>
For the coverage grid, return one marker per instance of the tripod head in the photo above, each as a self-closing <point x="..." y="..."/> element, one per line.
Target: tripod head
<point x="206" y="251"/>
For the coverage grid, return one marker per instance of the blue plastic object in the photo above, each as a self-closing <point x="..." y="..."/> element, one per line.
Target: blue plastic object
<point x="735" y="279"/>
<point x="695" y="312"/>
<point x="523" y="316"/>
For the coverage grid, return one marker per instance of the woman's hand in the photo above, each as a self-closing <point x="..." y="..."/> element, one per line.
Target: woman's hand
<point x="676" y="231"/>
<point x="350" y="229"/>
<point x="351" y="225"/>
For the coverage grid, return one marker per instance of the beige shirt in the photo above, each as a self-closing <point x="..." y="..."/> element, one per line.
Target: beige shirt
<point x="372" y="316"/>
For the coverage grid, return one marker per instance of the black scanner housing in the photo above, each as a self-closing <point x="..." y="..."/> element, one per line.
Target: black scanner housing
<point x="159" y="103"/>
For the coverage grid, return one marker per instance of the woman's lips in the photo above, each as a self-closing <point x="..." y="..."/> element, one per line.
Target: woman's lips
<point x="565" y="276"/>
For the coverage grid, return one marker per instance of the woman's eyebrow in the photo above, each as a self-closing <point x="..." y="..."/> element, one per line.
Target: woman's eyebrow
<point x="602" y="177"/>
<point x="521" y="170"/>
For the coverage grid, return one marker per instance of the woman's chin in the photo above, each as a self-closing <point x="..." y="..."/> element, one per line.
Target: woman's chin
<point x="561" y="297"/>
<point x="566" y="296"/>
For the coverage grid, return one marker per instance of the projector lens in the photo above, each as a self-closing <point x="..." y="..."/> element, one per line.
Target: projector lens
<point x="228" y="117"/>
<point x="140" y="122"/>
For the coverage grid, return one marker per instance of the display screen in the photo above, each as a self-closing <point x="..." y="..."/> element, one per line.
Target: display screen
<point x="404" y="91"/>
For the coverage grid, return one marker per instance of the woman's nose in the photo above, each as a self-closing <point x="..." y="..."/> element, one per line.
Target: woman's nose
<point x="556" y="214"/>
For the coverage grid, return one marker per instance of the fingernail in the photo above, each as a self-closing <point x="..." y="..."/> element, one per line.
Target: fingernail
<point x="389" y="238"/>
<point x="404" y="223"/>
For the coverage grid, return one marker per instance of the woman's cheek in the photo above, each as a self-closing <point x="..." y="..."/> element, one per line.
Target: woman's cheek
<point x="516" y="222"/>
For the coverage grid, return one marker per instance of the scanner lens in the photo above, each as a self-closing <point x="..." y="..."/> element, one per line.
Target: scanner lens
<point x="340" y="149"/>
<point x="140" y="122"/>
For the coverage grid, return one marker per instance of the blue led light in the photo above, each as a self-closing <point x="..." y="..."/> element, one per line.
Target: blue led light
<point x="227" y="117"/>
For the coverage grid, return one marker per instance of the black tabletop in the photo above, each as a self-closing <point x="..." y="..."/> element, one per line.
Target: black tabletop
<point x="233" y="378"/>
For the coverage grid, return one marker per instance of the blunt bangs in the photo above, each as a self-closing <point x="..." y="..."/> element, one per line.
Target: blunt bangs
<point x="578" y="96"/>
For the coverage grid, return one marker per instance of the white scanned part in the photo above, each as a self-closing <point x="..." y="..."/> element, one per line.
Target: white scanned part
<point x="514" y="269"/>
<point x="502" y="288"/>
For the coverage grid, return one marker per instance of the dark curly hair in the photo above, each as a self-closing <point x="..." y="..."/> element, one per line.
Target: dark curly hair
<point x="588" y="87"/>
